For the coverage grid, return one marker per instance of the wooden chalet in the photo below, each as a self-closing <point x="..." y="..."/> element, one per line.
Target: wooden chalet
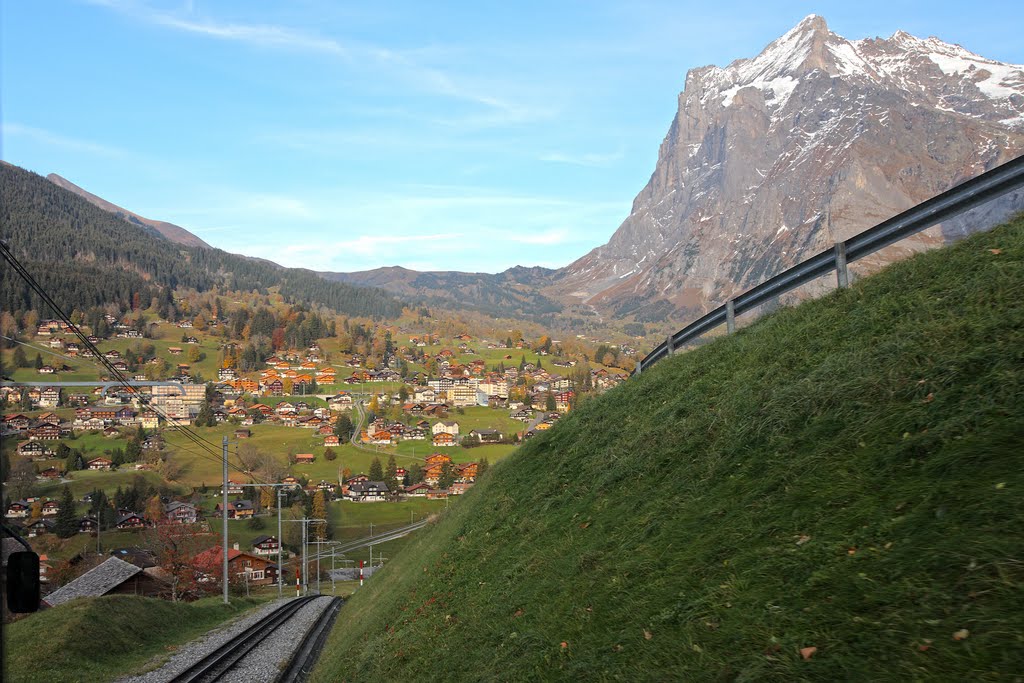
<point x="99" y="464"/>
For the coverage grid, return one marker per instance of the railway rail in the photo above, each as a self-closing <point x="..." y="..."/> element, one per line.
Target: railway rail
<point x="216" y="664"/>
<point x="305" y="656"/>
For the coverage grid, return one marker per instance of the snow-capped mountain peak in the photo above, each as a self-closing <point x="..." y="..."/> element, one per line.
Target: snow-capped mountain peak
<point x="818" y="134"/>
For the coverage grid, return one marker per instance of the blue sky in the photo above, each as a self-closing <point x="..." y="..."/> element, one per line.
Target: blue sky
<point x="437" y="136"/>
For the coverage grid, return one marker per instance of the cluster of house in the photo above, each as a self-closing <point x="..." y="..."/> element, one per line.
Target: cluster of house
<point x="20" y="513"/>
<point x="360" y="489"/>
<point x="135" y="571"/>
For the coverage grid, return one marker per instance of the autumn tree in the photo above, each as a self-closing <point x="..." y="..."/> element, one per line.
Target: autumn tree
<point x="267" y="497"/>
<point x="319" y="529"/>
<point x="329" y="454"/>
<point x="176" y="546"/>
<point x="154" y="509"/>
<point x="22" y="479"/>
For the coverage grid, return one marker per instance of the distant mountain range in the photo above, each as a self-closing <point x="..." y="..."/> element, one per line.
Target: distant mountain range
<point x="767" y="161"/>
<point x="773" y="158"/>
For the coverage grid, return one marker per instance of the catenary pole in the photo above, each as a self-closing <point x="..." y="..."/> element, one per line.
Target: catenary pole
<point x="280" y="548"/>
<point x="224" y="517"/>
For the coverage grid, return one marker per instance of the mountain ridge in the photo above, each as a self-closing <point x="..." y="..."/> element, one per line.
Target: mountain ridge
<point x="170" y="231"/>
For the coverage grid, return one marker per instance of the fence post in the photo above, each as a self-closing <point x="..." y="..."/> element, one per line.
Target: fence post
<point x="668" y="345"/>
<point x="730" y="317"/>
<point x="842" y="274"/>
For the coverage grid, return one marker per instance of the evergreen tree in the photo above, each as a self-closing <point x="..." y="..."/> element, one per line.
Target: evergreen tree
<point x="448" y="475"/>
<point x="343" y="427"/>
<point x="549" y="402"/>
<point x="482" y="467"/>
<point x="376" y="471"/>
<point x="20" y="360"/>
<point x="205" y="417"/>
<point x="39" y="361"/>
<point x="391" y="473"/>
<point x="66" y="522"/>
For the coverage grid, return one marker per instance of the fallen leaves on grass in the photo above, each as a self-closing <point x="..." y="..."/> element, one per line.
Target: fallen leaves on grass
<point x="997" y="252"/>
<point x="808" y="652"/>
<point x="518" y="613"/>
<point x="961" y="634"/>
<point x="802" y="538"/>
<point x="648" y="635"/>
<point x="564" y="644"/>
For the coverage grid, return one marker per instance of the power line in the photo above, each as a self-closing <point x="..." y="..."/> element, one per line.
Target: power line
<point x="38" y="348"/>
<point x="37" y="288"/>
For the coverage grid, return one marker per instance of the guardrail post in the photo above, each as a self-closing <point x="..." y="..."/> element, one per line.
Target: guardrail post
<point x="842" y="274"/>
<point x="668" y="345"/>
<point x="730" y="317"/>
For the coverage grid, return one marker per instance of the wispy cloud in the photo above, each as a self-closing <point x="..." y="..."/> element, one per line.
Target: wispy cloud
<point x="590" y="159"/>
<point x="58" y="140"/>
<point x="401" y="65"/>
<point x="262" y="35"/>
<point x="266" y="36"/>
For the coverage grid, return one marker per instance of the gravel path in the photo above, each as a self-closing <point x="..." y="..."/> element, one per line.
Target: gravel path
<point x="192" y="652"/>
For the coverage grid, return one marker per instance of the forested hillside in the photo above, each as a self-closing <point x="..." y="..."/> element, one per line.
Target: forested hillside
<point x="85" y="257"/>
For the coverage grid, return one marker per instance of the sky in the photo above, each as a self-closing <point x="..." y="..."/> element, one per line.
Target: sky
<point x="346" y="136"/>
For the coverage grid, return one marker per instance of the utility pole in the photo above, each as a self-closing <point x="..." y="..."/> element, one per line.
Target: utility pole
<point x="280" y="548"/>
<point x="305" y="566"/>
<point x="224" y="515"/>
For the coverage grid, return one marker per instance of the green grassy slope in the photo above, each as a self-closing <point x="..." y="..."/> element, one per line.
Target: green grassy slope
<point x="845" y="475"/>
<point x="100" y="639"/>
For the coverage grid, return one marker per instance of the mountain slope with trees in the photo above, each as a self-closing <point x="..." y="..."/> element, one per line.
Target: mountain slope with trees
<point x="832" y="493"/>
<point x="86" y="257"/>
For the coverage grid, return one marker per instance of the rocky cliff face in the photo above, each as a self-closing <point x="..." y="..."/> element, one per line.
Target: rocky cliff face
<point x="774" y="158"/>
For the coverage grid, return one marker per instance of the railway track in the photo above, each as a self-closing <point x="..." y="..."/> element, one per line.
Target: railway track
<point x="216" y="664"/>
<point x="305" y="656"/>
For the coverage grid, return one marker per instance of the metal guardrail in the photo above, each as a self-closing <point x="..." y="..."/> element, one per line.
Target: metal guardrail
<point x="963" y="197"/>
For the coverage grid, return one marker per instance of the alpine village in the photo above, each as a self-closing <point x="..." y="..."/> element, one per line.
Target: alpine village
<point x="767" y="432"/>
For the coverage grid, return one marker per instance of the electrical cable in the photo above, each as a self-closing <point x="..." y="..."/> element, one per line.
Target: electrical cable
<point x="200" y="442"/>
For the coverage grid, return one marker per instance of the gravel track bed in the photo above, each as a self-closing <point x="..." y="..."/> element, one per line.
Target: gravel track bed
<point x="269" y="658"/>
<point x="192" y="652"/>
